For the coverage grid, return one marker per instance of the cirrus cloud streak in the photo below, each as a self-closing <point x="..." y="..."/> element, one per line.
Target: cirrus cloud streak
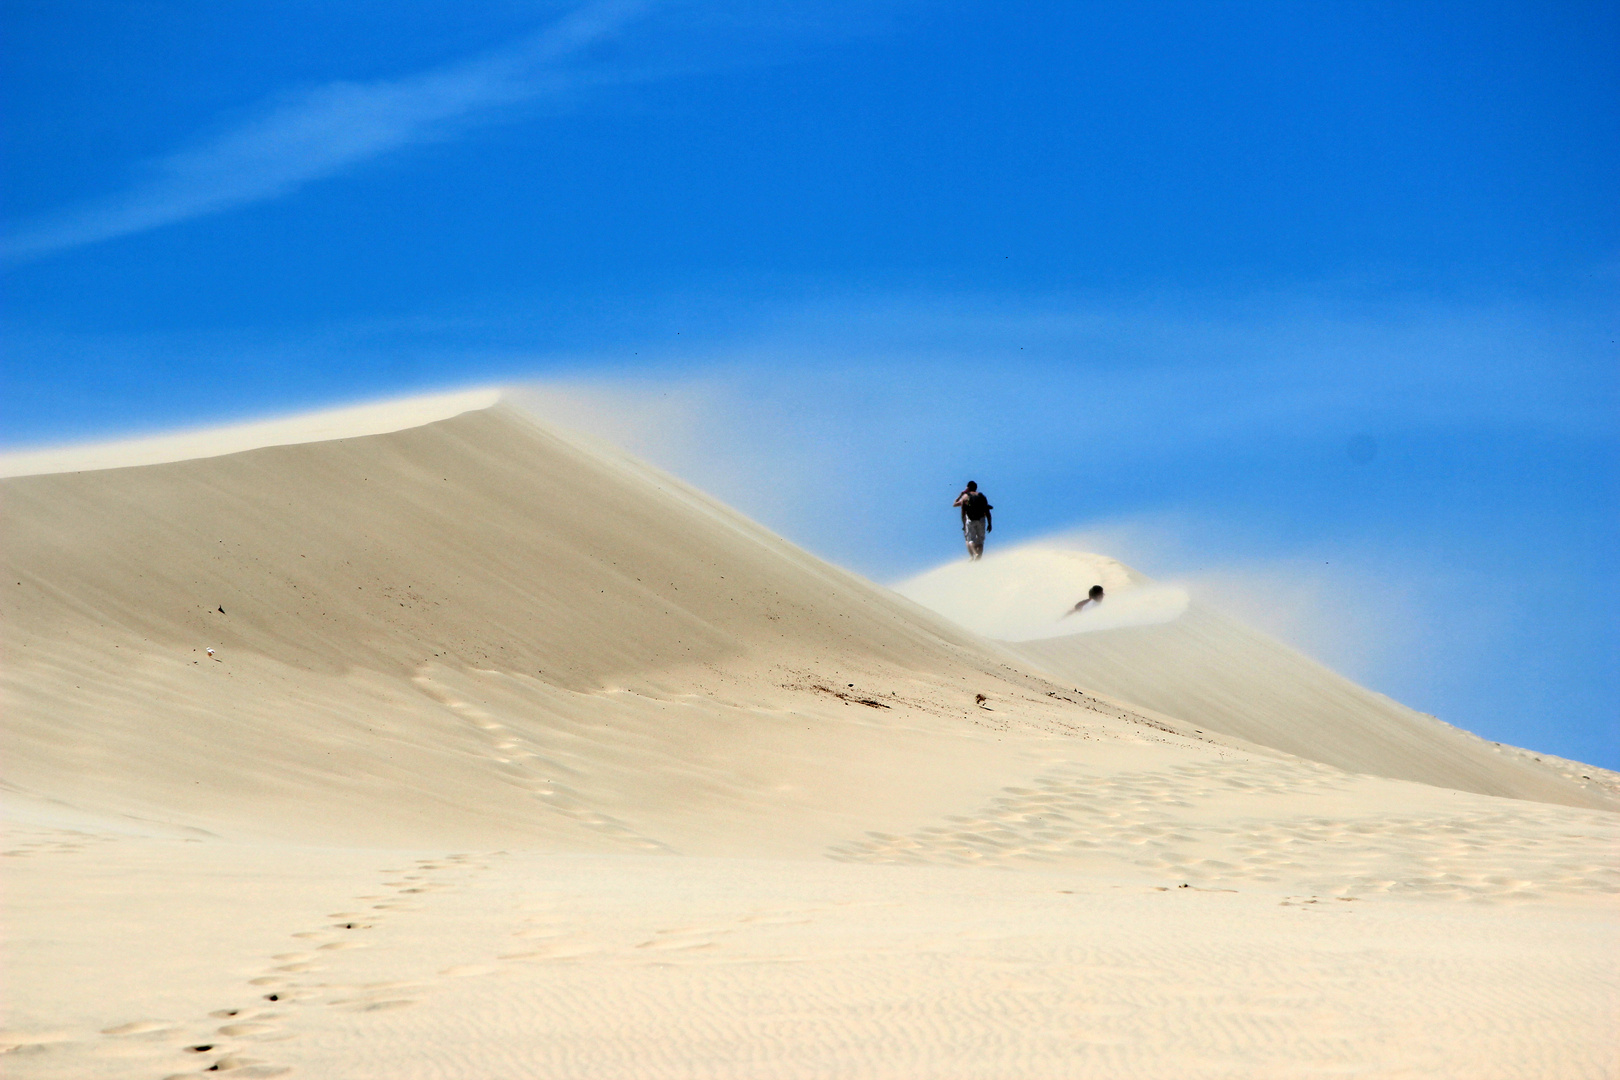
<point x="330" y="128"/>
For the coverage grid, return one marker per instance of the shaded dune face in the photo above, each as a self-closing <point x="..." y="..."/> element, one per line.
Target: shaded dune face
<point x="478" y="539"/>
<point x="483" y="628"/>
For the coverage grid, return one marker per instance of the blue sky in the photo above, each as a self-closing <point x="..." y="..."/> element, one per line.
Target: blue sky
<point x="1312" y="305"/>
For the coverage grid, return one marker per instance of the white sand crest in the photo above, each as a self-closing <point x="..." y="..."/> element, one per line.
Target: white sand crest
<point x="1025" y="593"/>
<point x="349" y="422"/>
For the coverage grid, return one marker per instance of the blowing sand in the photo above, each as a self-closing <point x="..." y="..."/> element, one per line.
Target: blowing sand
<point x="516" y="757"/>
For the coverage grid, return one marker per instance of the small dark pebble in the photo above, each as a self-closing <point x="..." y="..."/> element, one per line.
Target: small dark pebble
<point x="203" y="1049"/>
<point x="272" y="997"/>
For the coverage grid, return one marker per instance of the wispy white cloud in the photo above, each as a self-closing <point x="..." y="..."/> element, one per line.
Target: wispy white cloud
<point x="330" y="128"/>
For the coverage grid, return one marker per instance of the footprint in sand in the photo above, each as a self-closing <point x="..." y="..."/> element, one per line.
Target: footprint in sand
<point x="376" y="997"/>
<point x="141" y="1027"/>
<point x="245" y="1068"/>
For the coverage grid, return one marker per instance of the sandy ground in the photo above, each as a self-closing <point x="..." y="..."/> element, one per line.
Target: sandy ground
<point x="515" y="757"/>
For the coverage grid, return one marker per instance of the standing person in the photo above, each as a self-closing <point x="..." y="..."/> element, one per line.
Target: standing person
<point x="975" y="518"/>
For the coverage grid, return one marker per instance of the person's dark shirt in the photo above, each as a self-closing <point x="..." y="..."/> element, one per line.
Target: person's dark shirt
<point x="975" y="505"/>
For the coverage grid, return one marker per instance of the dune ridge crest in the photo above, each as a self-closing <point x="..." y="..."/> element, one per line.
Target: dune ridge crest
<point x="349" y="422"/>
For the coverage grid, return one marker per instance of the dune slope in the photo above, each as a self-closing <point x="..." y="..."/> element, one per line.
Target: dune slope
<point x="1148" y="645"/>
<point x="1222" y="676"/>
<point x="473" y="627"/>
<point x="515" y="757"/>
<point x="483" y="626"/>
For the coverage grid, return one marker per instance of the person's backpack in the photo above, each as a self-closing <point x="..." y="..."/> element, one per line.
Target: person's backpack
<point x="976" y="506"/>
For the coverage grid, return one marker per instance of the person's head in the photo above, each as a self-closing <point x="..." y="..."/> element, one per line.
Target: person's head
<point x="972" y="486"/>
<point x="1096" y="592"/>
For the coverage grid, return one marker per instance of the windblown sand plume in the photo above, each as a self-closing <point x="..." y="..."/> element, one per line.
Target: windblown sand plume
<point x="427" y="740"/>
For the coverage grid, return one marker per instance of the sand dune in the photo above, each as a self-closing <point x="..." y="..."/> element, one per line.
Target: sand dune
<point x="514" y="756"/>
<point x="484" y="614"/>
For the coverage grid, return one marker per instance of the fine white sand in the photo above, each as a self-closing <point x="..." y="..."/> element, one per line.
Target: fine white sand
<point x="516" y="757"/>
<point x="1028" y="593"/>
<point x="353" y="422"/>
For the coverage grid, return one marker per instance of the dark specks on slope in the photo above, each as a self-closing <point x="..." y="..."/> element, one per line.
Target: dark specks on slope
<point x="870" y="703"/>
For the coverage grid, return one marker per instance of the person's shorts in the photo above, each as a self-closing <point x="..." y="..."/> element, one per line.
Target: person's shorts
<point x="974" y="531"/>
